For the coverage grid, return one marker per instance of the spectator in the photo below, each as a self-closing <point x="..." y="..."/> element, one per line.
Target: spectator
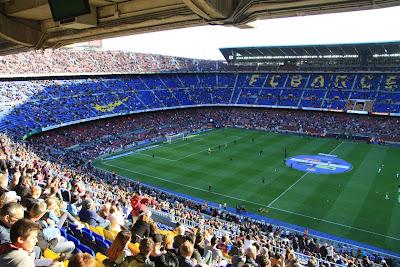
<point x="141" y="228"/>
<point x="9" y="214"/>
<point x="72" y="206"/>
<point x="59" y="217"/>
<point x="185" y="258"/>
<point x="116" y="219"/>
<point x="235" y="249"/>
<point x="7" y="197"/>
<point x="49" y="236"/>
<point x="239" y="258"/>
<point x="263" y="261"/>
<point x="23" y="188"/>
<point x="33" y="198"/>
<point x="251" y="254"/>
<point x="157" y="248"/>
<point x="19" y="252"/>
<point x="88" y="214"/>
<point x="216" y="254"/>
<point x="180" y="237"/>
<point x="118" y="250"/>
<point x="167" y="260"/>
<point x="168" y="241"/>
<point x="37" y="211"/>
<point x="82" y="260"/>
<point x="260" y="257"/>
<point x="3" y="181"/>
<point x="142" y="259"/>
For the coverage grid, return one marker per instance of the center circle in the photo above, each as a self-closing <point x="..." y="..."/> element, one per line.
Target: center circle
<point x="320" y="164"/>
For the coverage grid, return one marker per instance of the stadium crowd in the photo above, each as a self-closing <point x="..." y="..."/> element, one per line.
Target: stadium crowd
<point x="99" y="137"/>
<point x="54" y="197"/>
<point x="78" y="60"/>
<point x="50" y="200"/>
<point x="31" y="105"/>
<point x="53" y="61"/>
<point x="42" y="199"/>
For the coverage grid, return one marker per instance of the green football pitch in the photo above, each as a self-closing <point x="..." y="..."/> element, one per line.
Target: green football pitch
<point x="352" y="205"/>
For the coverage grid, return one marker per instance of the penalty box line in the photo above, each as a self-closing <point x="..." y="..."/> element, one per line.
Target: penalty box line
<point x="251" y="202"/>
<point x="191" y="154"/>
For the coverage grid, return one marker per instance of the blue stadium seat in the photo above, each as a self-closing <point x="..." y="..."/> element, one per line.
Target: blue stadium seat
<point x="86" y="249"/>
<point x="73" y="239"/>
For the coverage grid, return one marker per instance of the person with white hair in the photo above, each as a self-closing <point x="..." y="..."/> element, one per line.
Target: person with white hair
<point x="248" y="241"/>
<point x="330" y="253"/>
<point x="262" y="252"/>
<point x="251" y="254"/>
<point x="8" y="197"/>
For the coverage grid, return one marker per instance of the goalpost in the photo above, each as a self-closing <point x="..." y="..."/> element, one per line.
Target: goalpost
<point x="175" y="137"/>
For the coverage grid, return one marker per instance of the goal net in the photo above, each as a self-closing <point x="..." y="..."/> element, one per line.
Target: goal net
<point x="175" y="137"/>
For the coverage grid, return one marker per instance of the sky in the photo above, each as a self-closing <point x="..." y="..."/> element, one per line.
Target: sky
<point x="377" y="25"/>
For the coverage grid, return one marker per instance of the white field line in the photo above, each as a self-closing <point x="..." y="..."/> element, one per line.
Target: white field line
<point x="181" y="184"/>
<point x="335" y="223"/>
<point x="298" y="180"/>
<point x="251" y="202"/>
<point x="191" y="154"/>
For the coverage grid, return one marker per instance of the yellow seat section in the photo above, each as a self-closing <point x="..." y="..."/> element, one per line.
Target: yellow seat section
<point x="94" y="229"/>
<point x="49" y="254"/>
<point x="134" y="248"/>
<point x="100" y="257"/>
<point x="99" y="264"/>
<point x="100" y="230"/>
<point x="166" y="232"/>
<point x="109" y="235"/>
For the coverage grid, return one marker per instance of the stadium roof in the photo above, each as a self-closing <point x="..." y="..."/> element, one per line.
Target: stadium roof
<point x="311" y="51"/>
<point x="29" y="24"/>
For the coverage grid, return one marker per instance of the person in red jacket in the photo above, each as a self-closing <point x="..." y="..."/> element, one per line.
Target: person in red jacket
<point x="139" y="203"/>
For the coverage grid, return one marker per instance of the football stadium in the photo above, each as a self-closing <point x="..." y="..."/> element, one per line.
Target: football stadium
<point x="275" y="155"/>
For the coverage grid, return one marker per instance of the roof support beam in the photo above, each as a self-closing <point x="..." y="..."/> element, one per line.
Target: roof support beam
<point x="19" y="32"/>
<point x="211" y="10"/>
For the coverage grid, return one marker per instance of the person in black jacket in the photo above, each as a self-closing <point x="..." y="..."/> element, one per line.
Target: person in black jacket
<point x="185" y="258"/>
<point x="141" y="228"/>
<point x="180" y="237"/>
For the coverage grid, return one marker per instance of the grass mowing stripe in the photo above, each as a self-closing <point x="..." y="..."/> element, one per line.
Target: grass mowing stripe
<point x="181" y="184"/>
<point x="194" y="153"/>
<point x="244" y="200"/>
<point x="239" y="181"/>
<point x="298" y="180"/>
<point x="335" y="223"/>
